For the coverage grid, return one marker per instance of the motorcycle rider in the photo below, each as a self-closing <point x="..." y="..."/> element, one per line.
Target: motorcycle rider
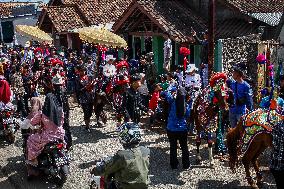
<point x="129" y="168"/>
<point x="50" y="121"/>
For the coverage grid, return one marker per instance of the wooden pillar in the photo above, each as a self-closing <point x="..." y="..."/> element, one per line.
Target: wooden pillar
<point x="211" y="36"/>
<point x="177" y="46"/>
<point x="158" y="44"/>
<point x="142" y="38"/>
<point x="133" y="47"/>
<point x="197" y="59"/>
<point x="218" y="67"/>
<point x="188" y="57"/>
<point x="69" y="40"/>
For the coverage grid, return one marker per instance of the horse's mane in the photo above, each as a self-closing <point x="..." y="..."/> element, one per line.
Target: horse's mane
<point x="233" y="137"/>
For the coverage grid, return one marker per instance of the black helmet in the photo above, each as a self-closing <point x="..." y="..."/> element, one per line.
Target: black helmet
<point x="129" y="134"/>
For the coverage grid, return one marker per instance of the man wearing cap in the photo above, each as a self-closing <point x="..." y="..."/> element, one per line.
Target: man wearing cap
<point x="192" y="79"/>
<point x="242" y="95"/>
<point x="132" y="102"/>
<point x="109" y="70"/>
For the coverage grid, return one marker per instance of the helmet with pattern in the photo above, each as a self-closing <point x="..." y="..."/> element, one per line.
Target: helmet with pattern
<point x="129" y="134"/>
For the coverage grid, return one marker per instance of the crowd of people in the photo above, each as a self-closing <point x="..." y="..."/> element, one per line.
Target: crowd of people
<point x="131" y="87"/>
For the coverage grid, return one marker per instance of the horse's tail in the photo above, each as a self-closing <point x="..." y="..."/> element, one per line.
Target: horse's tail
<point x="233" y="137"/>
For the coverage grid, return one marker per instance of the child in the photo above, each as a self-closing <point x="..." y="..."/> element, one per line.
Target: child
<point x="143" y="90"/>
<point x="153" y="104"/>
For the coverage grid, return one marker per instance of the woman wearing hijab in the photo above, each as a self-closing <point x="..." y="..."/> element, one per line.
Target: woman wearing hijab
<point x="48" y="121"/>
<point x="177" y="127"/>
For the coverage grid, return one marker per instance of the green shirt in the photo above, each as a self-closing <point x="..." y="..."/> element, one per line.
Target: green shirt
<point x="164" y="85"/>
<point x="129" y="168"/>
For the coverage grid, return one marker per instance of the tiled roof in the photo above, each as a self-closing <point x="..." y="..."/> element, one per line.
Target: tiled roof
<point x="100" y="11"/>
<point x="65" y="18"/>
<point x="258" y="6"/>
<point x="6" y="9"/>
<point x="172" y="17"/>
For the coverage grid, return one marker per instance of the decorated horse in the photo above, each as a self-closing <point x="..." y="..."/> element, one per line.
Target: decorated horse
<point x="206" y="107"/>
<point x="250" y="138"/>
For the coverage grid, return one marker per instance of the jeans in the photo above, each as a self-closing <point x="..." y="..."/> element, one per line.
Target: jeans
<point x="278" y="176"/>
<point x="234" y="118"/>
<point x="70" y="86"/>
<point x="182" y="138"/>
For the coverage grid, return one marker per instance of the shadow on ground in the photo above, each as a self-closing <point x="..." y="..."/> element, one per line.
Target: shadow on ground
<point x="94" y="136"/>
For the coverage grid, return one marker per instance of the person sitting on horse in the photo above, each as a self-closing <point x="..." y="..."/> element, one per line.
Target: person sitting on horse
<point x="177" y="129"/>
<point x="128" y="168"/>
<point x="242" y="93"/>
<point x="267" y="103"/>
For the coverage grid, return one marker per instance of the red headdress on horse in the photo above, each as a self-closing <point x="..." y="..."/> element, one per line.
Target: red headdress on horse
<point x="38" y="50"/>
<point x="56" y="61"/>
<point x="122" y="64"/>
<point x="217" y="78"/>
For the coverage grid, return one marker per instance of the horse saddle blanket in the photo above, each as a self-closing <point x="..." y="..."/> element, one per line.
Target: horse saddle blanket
<point x="256" y="122"/>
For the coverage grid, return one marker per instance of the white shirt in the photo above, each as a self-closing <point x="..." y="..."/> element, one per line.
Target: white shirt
<point x="143" y="89"/>
<point x="167" y="49"/>
<point x="109" y="70"/>
<point x="193" y="80"/>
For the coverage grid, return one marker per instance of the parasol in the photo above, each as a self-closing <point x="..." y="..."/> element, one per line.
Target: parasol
<point x="101" y="36"/>
<point x="33" y="32"/>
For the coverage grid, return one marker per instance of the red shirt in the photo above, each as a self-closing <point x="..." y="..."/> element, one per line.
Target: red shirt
<point x="154" y="100"/>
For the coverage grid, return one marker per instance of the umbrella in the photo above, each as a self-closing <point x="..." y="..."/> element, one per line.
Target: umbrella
<point x="101" y="36"/>
<point x="33" y="32"/>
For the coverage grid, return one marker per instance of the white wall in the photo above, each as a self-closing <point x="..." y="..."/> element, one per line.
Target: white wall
<point x="30" y="21"/>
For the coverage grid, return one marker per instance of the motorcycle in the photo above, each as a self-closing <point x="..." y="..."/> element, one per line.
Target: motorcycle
<point x="99" y="182"/>
<point x="54" y="162"/>
<point x="8" y="125"/>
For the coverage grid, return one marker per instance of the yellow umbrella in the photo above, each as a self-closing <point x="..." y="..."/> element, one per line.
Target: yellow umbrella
<point x="101" y="36"/>
<point x="33" y="32"/>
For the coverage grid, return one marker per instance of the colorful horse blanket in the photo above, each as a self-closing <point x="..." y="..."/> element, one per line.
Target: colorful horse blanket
<point x="209" y="126"/>
<point x="257" y="122"/>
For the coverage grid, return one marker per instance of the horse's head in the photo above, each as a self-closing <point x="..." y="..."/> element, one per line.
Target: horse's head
<point x="220" y="97"/>
<point x="220" y="91"/>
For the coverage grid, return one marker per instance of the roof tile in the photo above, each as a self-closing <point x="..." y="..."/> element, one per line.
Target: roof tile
<point x="65" y="18"/>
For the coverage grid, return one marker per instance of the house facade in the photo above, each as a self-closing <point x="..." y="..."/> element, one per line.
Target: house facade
<point x="17" y="13"/>
<point x="61" y="18"/>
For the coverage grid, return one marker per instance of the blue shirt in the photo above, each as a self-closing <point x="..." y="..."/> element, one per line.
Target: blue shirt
<point x="176" y="124"/>
<point x="242" y="92"/>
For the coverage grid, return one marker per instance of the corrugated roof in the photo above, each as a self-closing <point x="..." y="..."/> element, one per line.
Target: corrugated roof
<point x="258" y="6"/>
<point x="273" y="19"/>
<point x="231" y="28"/>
